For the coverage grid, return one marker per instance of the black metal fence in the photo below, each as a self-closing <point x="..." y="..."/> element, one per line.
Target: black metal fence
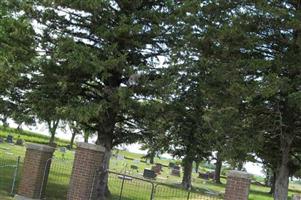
<point x="9" y="172"/>
<point x="122" y="186"/>
<point x="125" y="187"/>
<point x="58" y="178"/>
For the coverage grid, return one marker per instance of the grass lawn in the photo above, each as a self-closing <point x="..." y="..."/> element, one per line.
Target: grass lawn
<point x="61" y="169"/>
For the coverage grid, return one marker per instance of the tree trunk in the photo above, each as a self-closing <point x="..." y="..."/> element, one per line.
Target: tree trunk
<point x="4" y="123"/>
<point x="282" y="174"/>
<point x="197" y="165"/>
<point x="186" y="181"/>
<point x="101" y="190"/>
<point x="72" y="139"/>
<point x="151" y="160"/>
<point x="101" y="180"/>
<point x="272" y="183"/>
<point x="152" y="157"/>
<point x="52" y="137"/>
<point x="240" y="165"/>
<point x="52" y="126"/>
<point x="218" y="169"/>
<point x="86" y="137"/>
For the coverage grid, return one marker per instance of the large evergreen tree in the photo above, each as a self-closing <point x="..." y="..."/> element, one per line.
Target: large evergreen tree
<point x="273" y="32"/>
<point x="16" y="51"/>
<point x="104" y="55"/>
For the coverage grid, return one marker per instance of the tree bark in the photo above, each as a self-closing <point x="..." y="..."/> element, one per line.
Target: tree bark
<point x="152" y="157"/>
<point x="273" y="182"/>
<point x="197" y="165"/>
<point x="282" y="174"/>
<point x="218" y="169"/>
<point x="52" y="137"/>
<point x="101" y="189"/>
<point x="72" y="139"/>
<point x="52" y="126"/>
<point x="86" y="137"/>
<point x="186" y="181"/>
<point x="240" y="165"/>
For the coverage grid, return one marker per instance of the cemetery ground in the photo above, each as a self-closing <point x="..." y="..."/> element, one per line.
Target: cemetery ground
<point x="59" y="176"/>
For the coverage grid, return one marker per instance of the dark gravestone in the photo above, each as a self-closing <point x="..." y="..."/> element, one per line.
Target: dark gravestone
<point x="149" y="174"/>
<point x="203" y="176"/>
<point x="211" y="175"/>
<point x="1" y="140"/>
<point x="10" y="139"/>
<point x="134" y="167"/>
<point x="171" y="165"/>
<point x="20" y="142"/>
<point x="159" y="165"/>
<point x="156" y="169"/>
<point x="176" y="172"/>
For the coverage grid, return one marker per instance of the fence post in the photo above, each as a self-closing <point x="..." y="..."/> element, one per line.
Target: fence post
<point x="87" y="161"/>
<point x="15" y="176"/>
<point x="188" y="196"/>
<point x="238" y="185"/>
<point x="36" y="157"/>
<point x="121" y="189"/>
<point x="152" y="192"/>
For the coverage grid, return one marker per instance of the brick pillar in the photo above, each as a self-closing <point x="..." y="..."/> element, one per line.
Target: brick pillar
<point x="35" y="172"/>
<point x="88" y="160"/>
<point x="238" y="186"/>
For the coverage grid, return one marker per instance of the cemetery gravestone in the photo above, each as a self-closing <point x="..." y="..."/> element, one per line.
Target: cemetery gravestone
<point x="9" y="139"/>
<point x="1" y="140"/>
<point x="203" y="176"/>
<point x="156" y="169"/>
<point x="171" y="165"/>
<point x="150" y="174"/>
<point x="134" y="167"/>
<point x="63" y="150"/>
<point x="160" y="166"/>
<point x="20" y="142"/>
<point x="120" y="157"/>
<point x="176" y="171"/>
<point x="211" y="175"/>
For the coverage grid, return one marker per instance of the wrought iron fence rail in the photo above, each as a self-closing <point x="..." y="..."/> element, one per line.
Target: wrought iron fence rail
<point x="126" y="187"/>
<point x="9" y="173"/>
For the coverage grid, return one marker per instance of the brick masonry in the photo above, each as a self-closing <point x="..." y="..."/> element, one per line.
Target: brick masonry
<point x="238" y="186"/>
<point x="33" y="179"/>
<point x="88" y="160"/>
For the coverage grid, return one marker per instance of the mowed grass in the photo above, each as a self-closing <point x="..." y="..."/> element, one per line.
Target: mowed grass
<point x="29" y="136"/>
<point x="61" y="168"/>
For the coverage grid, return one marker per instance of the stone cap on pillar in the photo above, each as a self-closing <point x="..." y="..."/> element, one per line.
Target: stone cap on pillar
<point x="40" y="147"/>
<point x="92" y="147"/>
<point x="239" y="174"/>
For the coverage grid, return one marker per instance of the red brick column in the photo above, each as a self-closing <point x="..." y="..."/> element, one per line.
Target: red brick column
<point x="238" y="186"/>
<point x="88" y="160"/>
<point x="34" y="175"/>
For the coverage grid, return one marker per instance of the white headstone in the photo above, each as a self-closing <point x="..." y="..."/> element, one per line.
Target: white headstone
<point x="120" y="157"/>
